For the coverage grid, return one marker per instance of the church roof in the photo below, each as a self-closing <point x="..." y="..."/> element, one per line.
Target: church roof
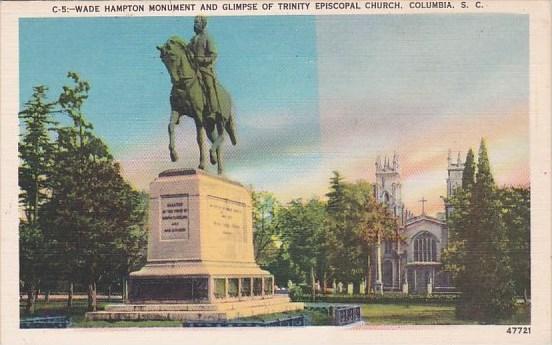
<point x="422" y="218"/>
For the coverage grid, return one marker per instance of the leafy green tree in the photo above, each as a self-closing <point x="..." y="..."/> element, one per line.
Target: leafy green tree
<point x="65" y="210"/>
<point x="95" y="216"/>
<point x="35" y="153"/>
<point x="283" y="269"/>
<point x="516" y="213"/>
<point x="375" y="225"/>
<point x="266" y="238"/>
<point x="357" y="224"/>
<point x="302" y="225"/>
<point x="133" y="246"/>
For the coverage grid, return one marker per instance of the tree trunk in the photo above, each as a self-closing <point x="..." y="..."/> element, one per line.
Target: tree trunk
<point x="313" y="284"/>
<point x="37" y="292"/>
<point x="92" y="296"/>
<point x="368" y="274"/>
<point x="124" y="287"/>
<point x="356" y="287"/>
<point x="324" y="283"/>
<point x="30" y="307"/>
<point x="109" y="293"/>
<point x="47" y="296"/>
<point x="379" y="277"/>
<point x="70" y="296"/>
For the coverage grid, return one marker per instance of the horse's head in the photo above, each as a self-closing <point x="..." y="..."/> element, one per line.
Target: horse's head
<point x="173" y="54"/>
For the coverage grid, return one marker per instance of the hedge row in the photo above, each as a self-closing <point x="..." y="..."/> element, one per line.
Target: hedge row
<point x="388" y="298"/>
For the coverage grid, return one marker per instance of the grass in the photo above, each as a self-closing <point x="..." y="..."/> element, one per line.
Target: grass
<point x="373" y="314"/>
<point x="395" y="314"/>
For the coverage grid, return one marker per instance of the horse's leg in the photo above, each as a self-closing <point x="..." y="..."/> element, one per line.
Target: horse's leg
<point x="217" y="135"/>
<point x="200" y="139"/>
<point x="173" y="121"/>
<point x="214" y="137"/>
<point x="231" y="128"/>
<point x="220" y="140"/>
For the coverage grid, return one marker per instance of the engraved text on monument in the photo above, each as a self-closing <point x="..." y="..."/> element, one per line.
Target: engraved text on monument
<point x="174" y="217"/>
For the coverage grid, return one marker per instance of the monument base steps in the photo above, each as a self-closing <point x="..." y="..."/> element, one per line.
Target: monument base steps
<point x="183" y="312"/>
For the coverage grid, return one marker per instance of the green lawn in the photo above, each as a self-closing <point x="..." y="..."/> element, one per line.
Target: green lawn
<point x="373" y="314"/>
<point x="396" y="314"/>
<point x="389" y="314"/>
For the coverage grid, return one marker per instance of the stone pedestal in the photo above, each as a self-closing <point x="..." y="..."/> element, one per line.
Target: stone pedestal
<point x="200" y="253"/>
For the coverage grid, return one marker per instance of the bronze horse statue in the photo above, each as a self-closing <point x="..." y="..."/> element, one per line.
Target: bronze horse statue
<point x="187" y="98"/>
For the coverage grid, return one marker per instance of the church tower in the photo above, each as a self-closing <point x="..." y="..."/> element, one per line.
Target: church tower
<point x="455" y="172"/>
<point x="388" y="184"/>
<point x="454" y="179"/>
<point x="387" y="189"/>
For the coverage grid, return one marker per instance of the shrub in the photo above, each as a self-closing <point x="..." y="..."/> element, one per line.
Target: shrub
<point x="382" y="299"/>
<point x="296" y="293"/>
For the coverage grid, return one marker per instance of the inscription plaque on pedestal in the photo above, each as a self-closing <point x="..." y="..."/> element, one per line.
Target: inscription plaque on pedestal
<point x="228" y="217"/>
<point x="174" y="217"/>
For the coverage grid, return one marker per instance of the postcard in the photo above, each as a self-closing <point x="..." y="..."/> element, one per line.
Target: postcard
<point x="275" y="171"/>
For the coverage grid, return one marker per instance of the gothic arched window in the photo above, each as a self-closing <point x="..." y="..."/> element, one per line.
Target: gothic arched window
<point x="386" y="198"/>
<point x="425" y="248"/>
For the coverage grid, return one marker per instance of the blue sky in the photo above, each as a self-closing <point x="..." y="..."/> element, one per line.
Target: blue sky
<point x="311" y="94"/>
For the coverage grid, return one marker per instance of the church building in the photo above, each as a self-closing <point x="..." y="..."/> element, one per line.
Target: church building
<point x="412" y="262"/>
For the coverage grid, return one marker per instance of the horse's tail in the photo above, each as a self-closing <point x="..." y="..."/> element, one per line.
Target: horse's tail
<point x="231" y="128"/>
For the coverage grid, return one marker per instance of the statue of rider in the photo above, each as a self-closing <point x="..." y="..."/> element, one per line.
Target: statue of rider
<point x="205" y="54"/>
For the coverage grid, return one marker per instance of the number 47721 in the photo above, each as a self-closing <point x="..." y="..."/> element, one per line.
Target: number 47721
<point x="518" y="330"/>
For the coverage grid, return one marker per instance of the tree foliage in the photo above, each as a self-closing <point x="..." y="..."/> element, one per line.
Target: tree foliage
<point x="303" y="229"/>
<point x="357" y="223"/>
<point x="78" y="208"/>
<point x="35" y="153"/>
<point x="516" y="214"/>
<point x="266" y="239"/>
<point x="479" y="253"/>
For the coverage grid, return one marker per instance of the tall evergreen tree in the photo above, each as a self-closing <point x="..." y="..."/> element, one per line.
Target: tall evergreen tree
<point x="488" y="293"/>
<point x="458" y="222"/>
<point x="468" y="175"/>
<point x="344" y="251"/>
<point x="336" y="195"/>
<point x="35" y="153"/>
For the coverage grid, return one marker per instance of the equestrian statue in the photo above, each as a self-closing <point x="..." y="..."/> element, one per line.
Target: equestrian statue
<point x="196" y="93"/>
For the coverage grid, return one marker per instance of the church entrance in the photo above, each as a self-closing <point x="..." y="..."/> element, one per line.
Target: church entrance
<point x="418" y="279"/>
<point x="388" y="274"/>
<point x="411" y="281"/>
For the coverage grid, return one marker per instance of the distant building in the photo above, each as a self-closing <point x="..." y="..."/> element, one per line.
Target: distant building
<point x="412" y="263"/>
